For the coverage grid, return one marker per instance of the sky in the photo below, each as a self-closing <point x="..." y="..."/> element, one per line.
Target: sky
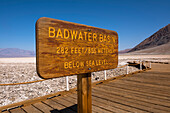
<point x="133" y="20"/>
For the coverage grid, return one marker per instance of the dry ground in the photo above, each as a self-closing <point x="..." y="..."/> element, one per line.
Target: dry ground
<point x="15" y="70"/>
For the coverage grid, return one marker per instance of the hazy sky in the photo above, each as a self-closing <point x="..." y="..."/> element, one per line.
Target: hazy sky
<point x="134" y="20"/>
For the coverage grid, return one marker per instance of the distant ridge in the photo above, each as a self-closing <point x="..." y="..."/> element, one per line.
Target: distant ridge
<point x="15" y="52"/>
<point x="124" y="51"/>
<point x="161" y="37"/>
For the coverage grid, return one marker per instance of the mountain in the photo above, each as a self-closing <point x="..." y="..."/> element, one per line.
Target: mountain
<point x="163" y="49"/>
<point x="15" y="52"/>
<point x="161" y="37"/>
<point x="124" y="51"/>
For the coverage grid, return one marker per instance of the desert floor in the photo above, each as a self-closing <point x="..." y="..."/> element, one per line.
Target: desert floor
<point x="17" y="70"/>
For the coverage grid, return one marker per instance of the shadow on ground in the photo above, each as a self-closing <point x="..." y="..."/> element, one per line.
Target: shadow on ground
<point x="136" y="65"/>
<point x="71" y="109"/>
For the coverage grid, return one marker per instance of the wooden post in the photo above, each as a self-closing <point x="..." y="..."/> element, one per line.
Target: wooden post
<point x="84" y="93"/>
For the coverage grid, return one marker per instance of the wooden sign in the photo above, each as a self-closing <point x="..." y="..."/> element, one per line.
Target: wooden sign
<point x="65" y="48"/>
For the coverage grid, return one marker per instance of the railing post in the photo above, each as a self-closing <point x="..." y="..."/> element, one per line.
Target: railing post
<point x="127" y="69"/>
<point x="140" y="65"/>
<point x="150" y="65"/>
<point x="144" y="63"/>
<point x="105" y="77"/>
<point x="67" y="84"/>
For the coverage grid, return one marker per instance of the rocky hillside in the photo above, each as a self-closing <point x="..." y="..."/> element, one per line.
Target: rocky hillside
<point x="163" y="49"/>
<point x="14" y="52"/>
<point x="159" y="38"/>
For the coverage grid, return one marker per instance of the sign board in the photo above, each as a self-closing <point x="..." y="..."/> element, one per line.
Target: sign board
<point x="65" y="48"/>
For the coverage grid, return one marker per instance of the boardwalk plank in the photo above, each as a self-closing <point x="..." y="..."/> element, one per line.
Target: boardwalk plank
<point x="155" y="83"/>
<point x="132" y="98"/>
<point x="94" y="107"/>
<point x="6" y="112"/>
<point x="144" y="84"/>
<point x="43" y="107"/>
<point x="65" y="103"/>
<point x="126" y="102"/>
<point x="116" y="105"/>
<point x="141" y="88"/>
<point x="74" y="100"/>
<point x="57" y="107"/>
<point x="17" y="110"/>
<point x="157" y="74"/>
<point x="98" y="104"/>
<point x="138" y="93"/>
<point x="153" y="77"/>
<point x="31" y="109"/>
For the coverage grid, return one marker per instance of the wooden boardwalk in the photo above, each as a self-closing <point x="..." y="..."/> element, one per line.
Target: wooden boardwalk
<point x="148" y="91"/>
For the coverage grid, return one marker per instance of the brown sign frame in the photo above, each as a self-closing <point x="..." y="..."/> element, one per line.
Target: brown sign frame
<point x="61" y="50"/>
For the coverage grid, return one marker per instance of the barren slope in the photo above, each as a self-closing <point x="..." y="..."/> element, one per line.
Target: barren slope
<point x="159" y="38"/>
<point x="158" y="50"/>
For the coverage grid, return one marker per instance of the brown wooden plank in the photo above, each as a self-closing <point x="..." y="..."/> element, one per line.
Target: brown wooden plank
<point x="109" y="106"/>
<point x="113" y="103"/>
<point x="100" y="110"/>
<point x="71" y="99"/>
<point x="43" y="107"/>
<point x="31" y="109"/>
<point x="5" y="112"/>
<point x="147" y="81"/>
<point x="84" y="93"/>
<point x="145" y="84"/>
<point x="135" y="94"/>
<point x="141" y="88"/>
<point x="65" y="103"/>
<point x="126" y="102"/>
<point x="74" y="100"/>
<point x="138" y="92"/>
<point x="147" y="90"/>
<point x="151" y="76"/>
<point x="135" y="99"/>
<point x="65" y="48"/>
<point x="159" y="74"/>
<point x="58" y="108"/>
<point x="96" y="103"/>
<point x="17" y="110"/>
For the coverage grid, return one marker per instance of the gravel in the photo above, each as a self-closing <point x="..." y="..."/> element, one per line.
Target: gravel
<point x="25" y="72"/>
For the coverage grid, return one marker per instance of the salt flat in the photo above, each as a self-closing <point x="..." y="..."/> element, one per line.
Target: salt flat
<point x="18" y="60"/>
<point x="153" y="58"/>
<point x="17" y="70"/>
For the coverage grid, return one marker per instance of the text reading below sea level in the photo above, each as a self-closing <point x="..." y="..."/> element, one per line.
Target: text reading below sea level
<point x="65" y="48"/>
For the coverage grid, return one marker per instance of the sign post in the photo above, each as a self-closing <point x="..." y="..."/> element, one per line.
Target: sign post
<point x="84" y="102"/>
<point x="65" y="48"/>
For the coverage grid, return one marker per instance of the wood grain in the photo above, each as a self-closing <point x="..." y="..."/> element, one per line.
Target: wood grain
<point x="65" y="48"/>
<point x="84" y="93"/>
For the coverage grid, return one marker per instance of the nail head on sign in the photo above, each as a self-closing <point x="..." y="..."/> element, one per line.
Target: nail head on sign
<point x="89" y="29"/>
